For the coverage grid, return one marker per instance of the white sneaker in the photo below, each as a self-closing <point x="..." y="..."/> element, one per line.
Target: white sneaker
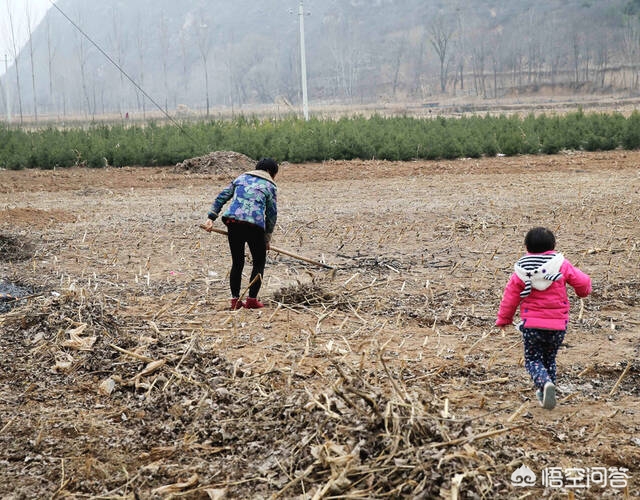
<point x="549" y="396"/>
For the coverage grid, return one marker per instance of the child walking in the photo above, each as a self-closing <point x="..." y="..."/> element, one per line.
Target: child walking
<point x="250" y="220"/>
<point x="538" y="287"/>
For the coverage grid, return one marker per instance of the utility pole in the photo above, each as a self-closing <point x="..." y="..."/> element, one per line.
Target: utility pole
<point x="303" y="63"/>
<point x="6" y="87"/>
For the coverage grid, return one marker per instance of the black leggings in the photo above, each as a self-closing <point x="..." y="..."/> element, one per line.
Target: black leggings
<point x="239" y="235"/>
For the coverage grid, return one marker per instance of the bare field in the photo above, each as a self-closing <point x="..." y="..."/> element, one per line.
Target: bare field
<point x="125" y="376"/>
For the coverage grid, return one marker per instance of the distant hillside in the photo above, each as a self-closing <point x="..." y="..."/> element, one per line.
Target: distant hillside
<point x="233" y="54"/>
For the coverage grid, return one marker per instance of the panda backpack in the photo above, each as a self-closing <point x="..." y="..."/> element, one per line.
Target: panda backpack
<point x="538" y="271"/>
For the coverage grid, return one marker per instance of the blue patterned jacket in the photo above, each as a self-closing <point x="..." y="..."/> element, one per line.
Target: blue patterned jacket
<point x="253" y="198"/>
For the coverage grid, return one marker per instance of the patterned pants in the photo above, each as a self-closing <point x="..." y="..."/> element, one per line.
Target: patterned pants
<point x="540" y="350"/>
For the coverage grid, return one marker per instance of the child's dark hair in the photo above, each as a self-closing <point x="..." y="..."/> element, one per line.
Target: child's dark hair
<point x="539" y="240"/>
<point x="269" y="165"/>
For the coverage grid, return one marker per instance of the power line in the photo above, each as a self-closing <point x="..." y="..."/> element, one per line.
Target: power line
<point x="110" y="59"/>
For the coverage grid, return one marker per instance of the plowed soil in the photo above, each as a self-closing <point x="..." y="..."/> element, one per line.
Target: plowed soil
<point x="124" y="375"/>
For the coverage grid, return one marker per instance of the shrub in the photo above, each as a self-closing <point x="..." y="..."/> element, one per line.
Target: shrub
<point x="296" y="140"/>
<point x="631" y="133"/>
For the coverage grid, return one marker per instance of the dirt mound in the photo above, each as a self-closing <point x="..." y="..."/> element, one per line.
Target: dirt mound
<point x="216" y="162"/>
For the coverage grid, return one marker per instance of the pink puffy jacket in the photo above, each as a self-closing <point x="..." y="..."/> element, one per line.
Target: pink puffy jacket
<point x="547" y="309"/>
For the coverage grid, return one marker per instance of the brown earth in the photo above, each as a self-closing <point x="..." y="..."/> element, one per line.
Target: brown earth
<point x="124" y="375"/>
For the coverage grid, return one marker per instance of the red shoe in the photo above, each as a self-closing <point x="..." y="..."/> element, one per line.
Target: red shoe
<point x="236" y="304"/>
<point x="252" y="303"/>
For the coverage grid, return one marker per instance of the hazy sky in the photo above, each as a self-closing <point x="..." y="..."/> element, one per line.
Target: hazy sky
<point x="18" y="9"/>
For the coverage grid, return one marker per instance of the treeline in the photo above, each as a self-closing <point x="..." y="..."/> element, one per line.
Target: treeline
<point x="202" y="58"/>
<point x="297" y="141"/>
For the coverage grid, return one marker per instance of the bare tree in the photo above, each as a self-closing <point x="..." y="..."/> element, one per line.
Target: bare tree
<point x="495" y="40"/>
<point x="400" y="47"/>
<point x="286" y="84"/>
<point x="50" y="59"/>
<point x="260" y="75"/>
<point x="236" y="91"/>
<point x="417" y="64"/>
<point x="576" y="40"/>
<point x="5" y="92"/>
<point x="586" y="62"/>
<point x="514" y="59"/>
<point x="440" y="34"/>
<point x="204" y="47"/>
<point x="83" y="61"/>
<point x="554" y="47"/>
<point x="14" y="49"/>
<point x="532" y="42"/>
<point x="234" y="83"/>
<point x="119" y="42"/>
<point x="141" y="47"/>
<point x="478" y="58"/>
<point x="346" y="51"/>
<point x="415" y="60"/>
<point x="631" y="47"/>
<point x="164" y="53"/>
<point x="602" y="60"/>
<point x="581" y="55"/>
<point x="33" y="68"/>
<point x="184" y="51"/>
<point x="461" y="49"/>
<point x="495" y="67"/>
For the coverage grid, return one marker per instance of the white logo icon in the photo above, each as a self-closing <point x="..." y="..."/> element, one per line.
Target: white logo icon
<point x="523" y="476"/>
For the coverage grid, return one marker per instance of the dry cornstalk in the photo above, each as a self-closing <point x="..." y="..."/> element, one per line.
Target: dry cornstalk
<point x="585" y="371"/>
<point x="152" y="367"/>
<point x="581" y="310"/>
<point x="518" y="412"/>
<point x="470" y="439"/>
<point x="568" y="398"/>
<point x="476" y="343"/>
<point x="456" y="482"/>
<point x="6" y="426"/>
<point x="340" y="483"/>
<point x="623" y="375"/>
<point x="293" y="482"/>
<point x="497" y="380"/>
<point x="177" y="487"/>
<point x="131" y="353"/>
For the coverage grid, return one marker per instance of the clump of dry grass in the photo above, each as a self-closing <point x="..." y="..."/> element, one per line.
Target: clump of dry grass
<point x="14" y="248"/>
<point x="364" y="433"/>
<point x="305" y="294"/>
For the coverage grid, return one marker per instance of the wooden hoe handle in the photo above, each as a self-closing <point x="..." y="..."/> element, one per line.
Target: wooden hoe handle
<point x="280" y="250"/>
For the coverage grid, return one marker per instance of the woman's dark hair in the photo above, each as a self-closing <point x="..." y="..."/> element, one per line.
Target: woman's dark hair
<point x="269" y="165"/>
<point x="539" y="240"/>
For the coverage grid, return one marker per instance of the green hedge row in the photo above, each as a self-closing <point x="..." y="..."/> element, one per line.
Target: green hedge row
<point x="297" y="141"/>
